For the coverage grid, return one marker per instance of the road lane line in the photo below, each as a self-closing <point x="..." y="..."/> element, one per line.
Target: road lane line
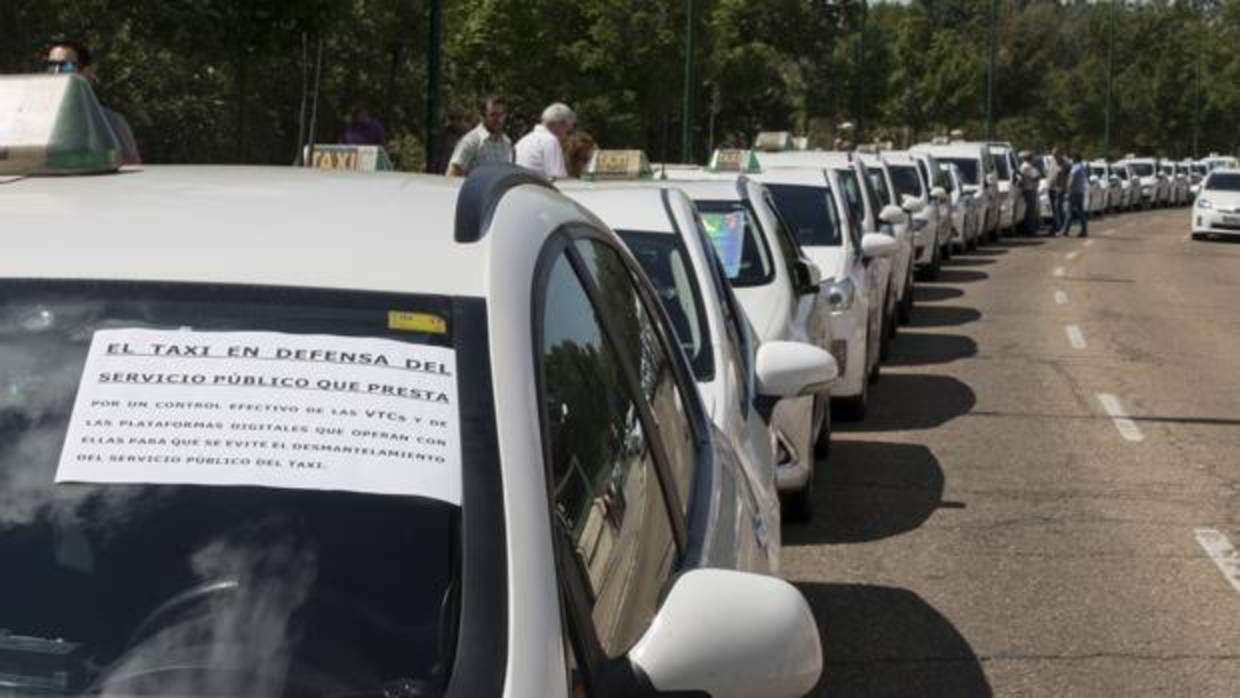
<point x="1061" y="298"/>
<point x="1072" y="255"/>
<point x="1127" y="428"/>
<point x="1058" y="271"/>
<point x="1222" y="553"/>
<point x="1088" y="243"/>
<point x="1108" y="232"/>
<point x="1075" y="337"/>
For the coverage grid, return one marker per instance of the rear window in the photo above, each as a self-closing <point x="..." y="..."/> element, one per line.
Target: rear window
<point x="1220" y="181"/>
<point x="666" y="262"/>
<point x="810" y="213"/>
<point x="174" y="518"/>
<point x="738" y="241"/>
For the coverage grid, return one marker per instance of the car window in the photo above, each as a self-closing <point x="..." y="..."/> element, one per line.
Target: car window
<point x="634" y="328"/>
<point x="810" y="211"/>
<point x="852" y="196"/>
<point x="924" y="172"/>
<point x="736" y="337"/>
<point x="737" y="240"/>
<point x="869" y="196"/>
<point x="605" y="484"/>
<point x="666" y="262"/>
<point x="208" y="588"/>
<point x="1223" y="181"/>
<point x="1142" y="169"/>
<point x="878" y="182"/>
<point x="1001" y="167"/>
<point x="906" y="181"/>
<point x="966" y="169"/>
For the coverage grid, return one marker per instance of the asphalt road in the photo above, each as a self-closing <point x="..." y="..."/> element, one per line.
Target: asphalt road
<point x="991" y="529"/>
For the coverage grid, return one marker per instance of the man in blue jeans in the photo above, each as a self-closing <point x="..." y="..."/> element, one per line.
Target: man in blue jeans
<point x="1078" y="186"/>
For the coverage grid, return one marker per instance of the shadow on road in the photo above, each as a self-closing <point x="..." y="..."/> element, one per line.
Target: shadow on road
<point x="929" y="294"/>
<point x="943" y="315"/>
<point x="987" y="251"/>
<point x="960" y="276"/>
<point x="968" y="262"/>
<point x="904" y="402"/>
<point x="924" y="348"/>
<point x="870" y="490"/>
<point x="1019" y="242"/>
<point x="882" y="641"/>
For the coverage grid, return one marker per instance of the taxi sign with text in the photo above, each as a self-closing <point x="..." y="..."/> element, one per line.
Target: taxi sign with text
<point x="334" y="156"/>
<point x="729" y="160"/>
<point x="618" y="164"/>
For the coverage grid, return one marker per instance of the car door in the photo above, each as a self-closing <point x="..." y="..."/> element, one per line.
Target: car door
<point x="853" y="190"/>
<point x="626" y="447"/>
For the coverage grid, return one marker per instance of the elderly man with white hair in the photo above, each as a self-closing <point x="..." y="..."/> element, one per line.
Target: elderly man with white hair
<point x="542" y="149"/>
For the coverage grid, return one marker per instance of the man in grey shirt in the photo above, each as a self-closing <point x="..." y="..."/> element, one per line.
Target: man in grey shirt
<point x="68" y="56"/>
<point x="487" y="144"/>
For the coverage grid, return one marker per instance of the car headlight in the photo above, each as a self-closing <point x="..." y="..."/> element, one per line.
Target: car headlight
<point x="1204" y="203"/>
<point x="840" y="295"/>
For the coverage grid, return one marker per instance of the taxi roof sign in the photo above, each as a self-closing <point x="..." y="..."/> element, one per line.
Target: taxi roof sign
<point x="338" y="156"/>
<point x="773" y="141"/>
<point x="734" y="160"/>
<point x="53" y="125"/>
<point x="618" y="164"/>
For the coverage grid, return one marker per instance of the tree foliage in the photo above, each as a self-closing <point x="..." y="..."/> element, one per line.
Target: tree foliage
<point x="222" y="80"/>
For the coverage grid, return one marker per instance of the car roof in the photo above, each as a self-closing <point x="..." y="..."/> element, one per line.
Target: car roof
<point x="278" y="226"/>
<point x="806" y="158"/>
<point x="623" y="205"/>
<point x="957" y="149"/>
<point x="809" y="176"/>
<point x="1225" y="170"/>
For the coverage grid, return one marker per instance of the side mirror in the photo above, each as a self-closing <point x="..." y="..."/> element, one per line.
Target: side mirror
<point x="939" y="193"/>
<point x="878" y="245"/>
<point x="807" y="276"/>
<point x="913" y="204"/>
<point x="726" y="633"/>
<point x="792" y="369"/>
<point x="891" y="215"/>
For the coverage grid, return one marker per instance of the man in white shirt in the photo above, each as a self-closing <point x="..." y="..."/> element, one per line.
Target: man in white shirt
<point x="542" y="149"/>
<point x="487" y="144"/>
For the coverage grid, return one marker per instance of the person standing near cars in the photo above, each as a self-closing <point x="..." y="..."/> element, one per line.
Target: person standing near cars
<point x="1056" y="179"/>
<point x="487" y="144"/>
<point x="1029" y="176"/>
<point x="1078" y="187"/>
<point x="69" y="56"/>
<point x="542" y="149"/>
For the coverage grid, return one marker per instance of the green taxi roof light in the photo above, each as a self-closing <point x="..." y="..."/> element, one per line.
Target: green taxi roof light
<point x="618" y="164"/>
<point x="733" y="160"/>
<point x="773" y="141"/>
<point x="53" y="125"/>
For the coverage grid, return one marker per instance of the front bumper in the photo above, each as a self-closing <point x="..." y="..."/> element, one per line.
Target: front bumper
<point x="1213" y="222"/>
<point x="848" y="348"/>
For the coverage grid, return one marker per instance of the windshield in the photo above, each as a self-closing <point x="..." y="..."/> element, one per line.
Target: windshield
<point x="966" y="169"/>
<point x="1220" y="181"/>
<point x="879" y="182"/>
<point x="906" y="181"/>
<point x="1142" y="169"/>
<point x="1097" y="171"/>
<point x="810" y="212"/>
<point x="1121" y="172"/>
<point x="214" y="491"/>
<point x="740" y="245"/>
<point x="664" y="259"/>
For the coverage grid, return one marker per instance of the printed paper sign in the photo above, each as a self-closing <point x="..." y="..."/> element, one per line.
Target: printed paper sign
<point x="268" y="409"/>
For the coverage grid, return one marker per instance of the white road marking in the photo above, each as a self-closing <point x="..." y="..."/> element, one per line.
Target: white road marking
<point x="1061" y="298"/>
<point x="1058" y="271"/>
<point x="1088" y="243"/>
<point x="1127" y="428"/>
<point x="1075" y="337"/>
<point x="1072" y="255"/>
<point x="1222" y="553"/>
<point x="1108" y="231"/>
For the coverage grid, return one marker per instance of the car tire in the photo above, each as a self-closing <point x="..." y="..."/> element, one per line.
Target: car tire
<point x="1199" y="236"/>
<point x="822" y="445"/>
<point x="798" y="507"/>
<point x="852" y="409"/>
<point x="930" y="272"/>
<point x="904" y="309"/>
<point x="887" y="333"/>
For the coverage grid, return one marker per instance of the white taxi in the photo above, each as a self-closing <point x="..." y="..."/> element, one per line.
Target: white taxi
<point x="661" y="227"/>
<point x="778" y="289"/>
<point x="811" y="200"/>
<point x="894" y="195"/>
<point x="1217" y="208"/>
<point x="436" y="438"/>
<point x="1007" y="173"/>
<point x="976" y="167"/>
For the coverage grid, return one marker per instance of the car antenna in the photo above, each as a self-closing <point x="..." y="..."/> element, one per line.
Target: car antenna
<point x="314" y="105"/>
<point x="298" y="158"/>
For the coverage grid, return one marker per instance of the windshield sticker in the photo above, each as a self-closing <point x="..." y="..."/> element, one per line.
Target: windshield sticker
<point x="416" y="322"/>
<point x="726" y="231"/>
<point x="266" y="409"/>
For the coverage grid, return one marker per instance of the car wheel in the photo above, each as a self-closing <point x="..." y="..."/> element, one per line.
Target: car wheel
<point x="904" y="308"/>
<point x="886" y="334"/>
<point x="798" y="507"/>
<point x="1199" y="236"/>
<point x="822" y="445"/>
<point x="930" y="272"/>
<point x="852" y="409"/>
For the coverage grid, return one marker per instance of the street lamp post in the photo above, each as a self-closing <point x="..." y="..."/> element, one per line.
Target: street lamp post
<point x="990" y="66"/>
<point x="1106" y="134"/>
<point x="434" y="69"/>
<point x="686" y="125"/>
<point x="860" y="134"/>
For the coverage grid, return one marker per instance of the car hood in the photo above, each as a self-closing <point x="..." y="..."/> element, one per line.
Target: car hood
<point x="1229" y="200"/>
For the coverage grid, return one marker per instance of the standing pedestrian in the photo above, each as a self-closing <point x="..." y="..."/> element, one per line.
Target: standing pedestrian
<point x="486" y="144"/>
<point x="1056" y="180"/>
<point x="69" y="56"/>
<point x="1078" y="187"/>
<point x="542" y="149"/>
<point x="1029" y="189"/>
